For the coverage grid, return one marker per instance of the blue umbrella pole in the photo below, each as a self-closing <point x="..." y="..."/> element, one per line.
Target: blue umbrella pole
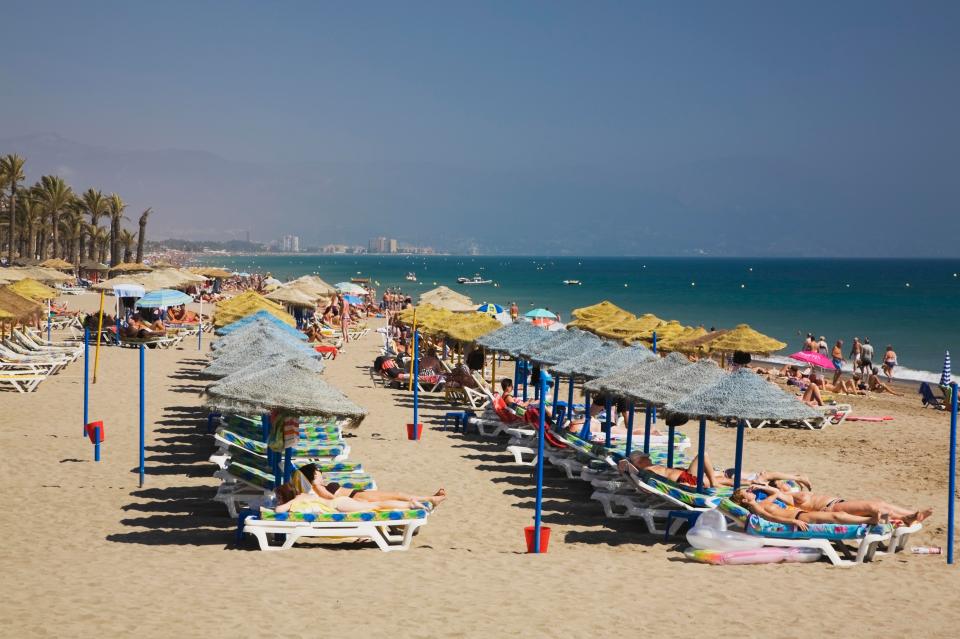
<point x="671" y="431"/>
<point x="86" y="379"/>
<point x="738" y="461"/>
<point x="526" y="379"/>
<point x="556" y="392"/>
<point x="585" y="431"/>
<point x="287" y="464"/>
<point x="607" y="423"/>
<point x="654" y="341"/>
<point x="646" y="431"/>
<point x="701" y="449"/>
<point x="516" y="375"/>
<point x="630" y="429"/>
<point x="570" y="400"/>
<point x="953" y="471"/>
<point x="539" y="505"/>
<point x="143" y="397"/>
<point x="653" y="411"/>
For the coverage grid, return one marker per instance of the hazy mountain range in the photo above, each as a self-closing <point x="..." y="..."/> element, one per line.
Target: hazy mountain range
<point x="724" y="206"/>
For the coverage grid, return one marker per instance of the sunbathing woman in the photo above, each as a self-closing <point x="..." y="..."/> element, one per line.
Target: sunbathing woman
<point x="711" y="478"/>
<point x="307" y="480"/>
<point x="828" y="503"/>
<point x="180" y="315"/>
<point x="776" y="508"/>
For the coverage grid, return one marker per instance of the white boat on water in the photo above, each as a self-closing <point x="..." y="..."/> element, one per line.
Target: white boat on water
<point x="572" y="282"/>
<point x="411" y="277"/>
<point x="476" y="279"/>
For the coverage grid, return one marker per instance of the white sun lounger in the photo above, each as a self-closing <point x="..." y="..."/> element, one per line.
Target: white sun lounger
<point x="379" y="527"/>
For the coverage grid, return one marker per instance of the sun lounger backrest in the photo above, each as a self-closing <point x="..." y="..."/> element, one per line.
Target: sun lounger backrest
<point x="370" y="515"/>
<point x="757" y="525"/>
<point x="690" y="498"/>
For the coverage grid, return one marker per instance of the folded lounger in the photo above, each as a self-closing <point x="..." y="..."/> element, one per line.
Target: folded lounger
<point x="378" y="526"/>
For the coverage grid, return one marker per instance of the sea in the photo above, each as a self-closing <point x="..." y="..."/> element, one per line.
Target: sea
<point x="912" y="304"/>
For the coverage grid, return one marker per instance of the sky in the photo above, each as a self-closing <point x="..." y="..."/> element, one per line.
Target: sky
<point x="734" y="128"/>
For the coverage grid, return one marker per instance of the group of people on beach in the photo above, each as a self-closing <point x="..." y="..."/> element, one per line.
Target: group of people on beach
<point x="861" y="355"/>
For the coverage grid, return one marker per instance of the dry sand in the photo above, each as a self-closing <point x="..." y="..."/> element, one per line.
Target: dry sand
<point x="86" y="552"/>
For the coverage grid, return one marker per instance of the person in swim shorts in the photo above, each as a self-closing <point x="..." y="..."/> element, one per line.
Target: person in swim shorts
<point x="773" y="506"/>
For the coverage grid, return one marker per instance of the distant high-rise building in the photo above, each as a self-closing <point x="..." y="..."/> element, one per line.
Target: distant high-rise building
<point x="290" y="244"/>
<point x="392" y="245"/>
<point x="378" y="245"/>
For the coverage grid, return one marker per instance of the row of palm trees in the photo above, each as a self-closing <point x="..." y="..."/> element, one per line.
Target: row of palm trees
<point x="50" y="220"/>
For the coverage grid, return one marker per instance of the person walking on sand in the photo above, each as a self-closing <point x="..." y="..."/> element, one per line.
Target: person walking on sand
<point x="837" y="360"/>
<point x="344" y="318"/>
<point x="822" y="346"/>
<point x="855" y="353"/>
<point x="889" y="363"/>
<point x="514" y="312"/>
<point x="866" y="355"/>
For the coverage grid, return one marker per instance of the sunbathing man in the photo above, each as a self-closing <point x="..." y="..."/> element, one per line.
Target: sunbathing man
<point x="711" y="479"/>
<point x="779" y="510"/>
<point x="828" y="503"/>
<point x="527" y="411"/>
<point x="307" y="485"/>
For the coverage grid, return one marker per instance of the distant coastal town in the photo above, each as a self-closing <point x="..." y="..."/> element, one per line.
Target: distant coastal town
<point x="380" y="245"/>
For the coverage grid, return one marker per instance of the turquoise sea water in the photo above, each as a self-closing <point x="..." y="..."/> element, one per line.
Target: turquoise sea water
<point x="911" y="304"/>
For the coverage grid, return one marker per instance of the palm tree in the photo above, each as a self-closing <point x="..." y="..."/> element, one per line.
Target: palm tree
<point x="96" y="206"/>
<point x="32" y="213"/>
<point x="55" y="196"/>
<point x="11" y="167"/>
<point x="72" y="224"/>
<point x="142" y="234"/>
<point x="101" y="240"/>
<point x="116" y="207"/>
<point x="127" y="240"/>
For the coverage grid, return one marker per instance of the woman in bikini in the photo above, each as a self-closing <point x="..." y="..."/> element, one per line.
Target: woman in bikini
<point x="776" y="506"/>
<point x="307" y="484"/>
<point x="812" y="502"/>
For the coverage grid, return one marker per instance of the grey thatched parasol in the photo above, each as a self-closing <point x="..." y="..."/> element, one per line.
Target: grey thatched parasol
<point x="567" y="344"/>
<point x="514" y="346"/>
<point x="291" y="386"/>
<point x="315" y="365"/>
<point x="255" y="349"/>
<point x="662" y="387"/>
<point x="742" y="395"/>
<point x="621" y="382"/>
<point x="605" y="360"/>
<point x="495" y="341"/>
<point x="265" y="329"/>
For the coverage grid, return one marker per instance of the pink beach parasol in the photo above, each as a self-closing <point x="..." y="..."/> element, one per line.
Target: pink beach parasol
<point x="814" y="359"/>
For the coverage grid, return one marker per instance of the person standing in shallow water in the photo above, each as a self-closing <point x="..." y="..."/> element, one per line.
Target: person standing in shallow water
<point x="514" y="311"/>
<point x="837" y="360"/>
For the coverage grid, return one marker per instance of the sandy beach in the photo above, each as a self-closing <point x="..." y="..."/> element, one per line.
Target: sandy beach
<point x="89" y="553"/>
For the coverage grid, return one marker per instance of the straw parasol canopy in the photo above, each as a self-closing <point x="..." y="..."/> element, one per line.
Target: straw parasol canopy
<point x="247" y="303"/>
<point x="57" y="264"/>
<point x="252" y="350"/>
<point x="313" y="286"/>
<point x="107" y="285"/>
<point x="742" y="395"/>
<point x="34" y="272"/>
<point x="631" y="330"/>
<point x="661" y="385"/>
<point x="18" y="308"/>
<point x="494" y="339"/>
<point x="314" y="365"/>
<point x="447" y="298"/>
<point x="293" y="297"/>
<point x="744" y="338"/>
<point x="187" y="276"/>
<point x="696" y="344"/>
<point x="688" y="334"/>
<point x="623" y="380"/>
<point x="605" y="360"/>
<point x="291" y="386"/>
<point x="260" y="318"/>
<point x="467" y="328"/>
<point x="277" y="332"/>
<point x="211" y="272"/>
<point x="33" y="290"/>
<point x="602" y="313"/>
<point x="130" y="267"/>
<point x="570" y="344"/>
<point x="93" y="265"/>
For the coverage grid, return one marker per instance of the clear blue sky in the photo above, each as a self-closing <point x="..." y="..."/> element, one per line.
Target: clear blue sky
<point x="623" y="112"/>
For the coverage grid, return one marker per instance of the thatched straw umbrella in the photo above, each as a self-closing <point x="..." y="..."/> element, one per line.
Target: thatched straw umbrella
<point x="293" y="297"/>
<point x="17" y="307"/>
<point x="741" y="395"/>
<point x="37" y="273"/>
<point x="107" y="285"/>
<point x="446" y="298"/>
<point x="247" y="303"/>
<point x="744" y="338"/>
<point x="57" y="264"/>
<point x="602" y="313"/>
<point x="265" y="328"/>
<point x="252" y="350"/>
<point x="314" y="365"/>
<point x="313" y="286"/>
<point x="211" y="272"/>
<point x="130" y="267"/>
<point x="688" y="334"/>
<point x="260" y="317"/>
<point x="493" y="340"/>
<point x="33" y="290"/>
<point x="291" y="386"/>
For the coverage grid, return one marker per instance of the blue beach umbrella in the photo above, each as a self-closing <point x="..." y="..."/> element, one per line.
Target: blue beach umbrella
<point x="945" y="375"/>
<point x="540" y="312"/>
<point x="353" y="299"/>
<point x="163" y="298"/>
<point x="490" y="309"/>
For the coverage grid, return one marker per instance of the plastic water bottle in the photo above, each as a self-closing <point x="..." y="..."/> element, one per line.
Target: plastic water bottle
<point x="926" y="550"/>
